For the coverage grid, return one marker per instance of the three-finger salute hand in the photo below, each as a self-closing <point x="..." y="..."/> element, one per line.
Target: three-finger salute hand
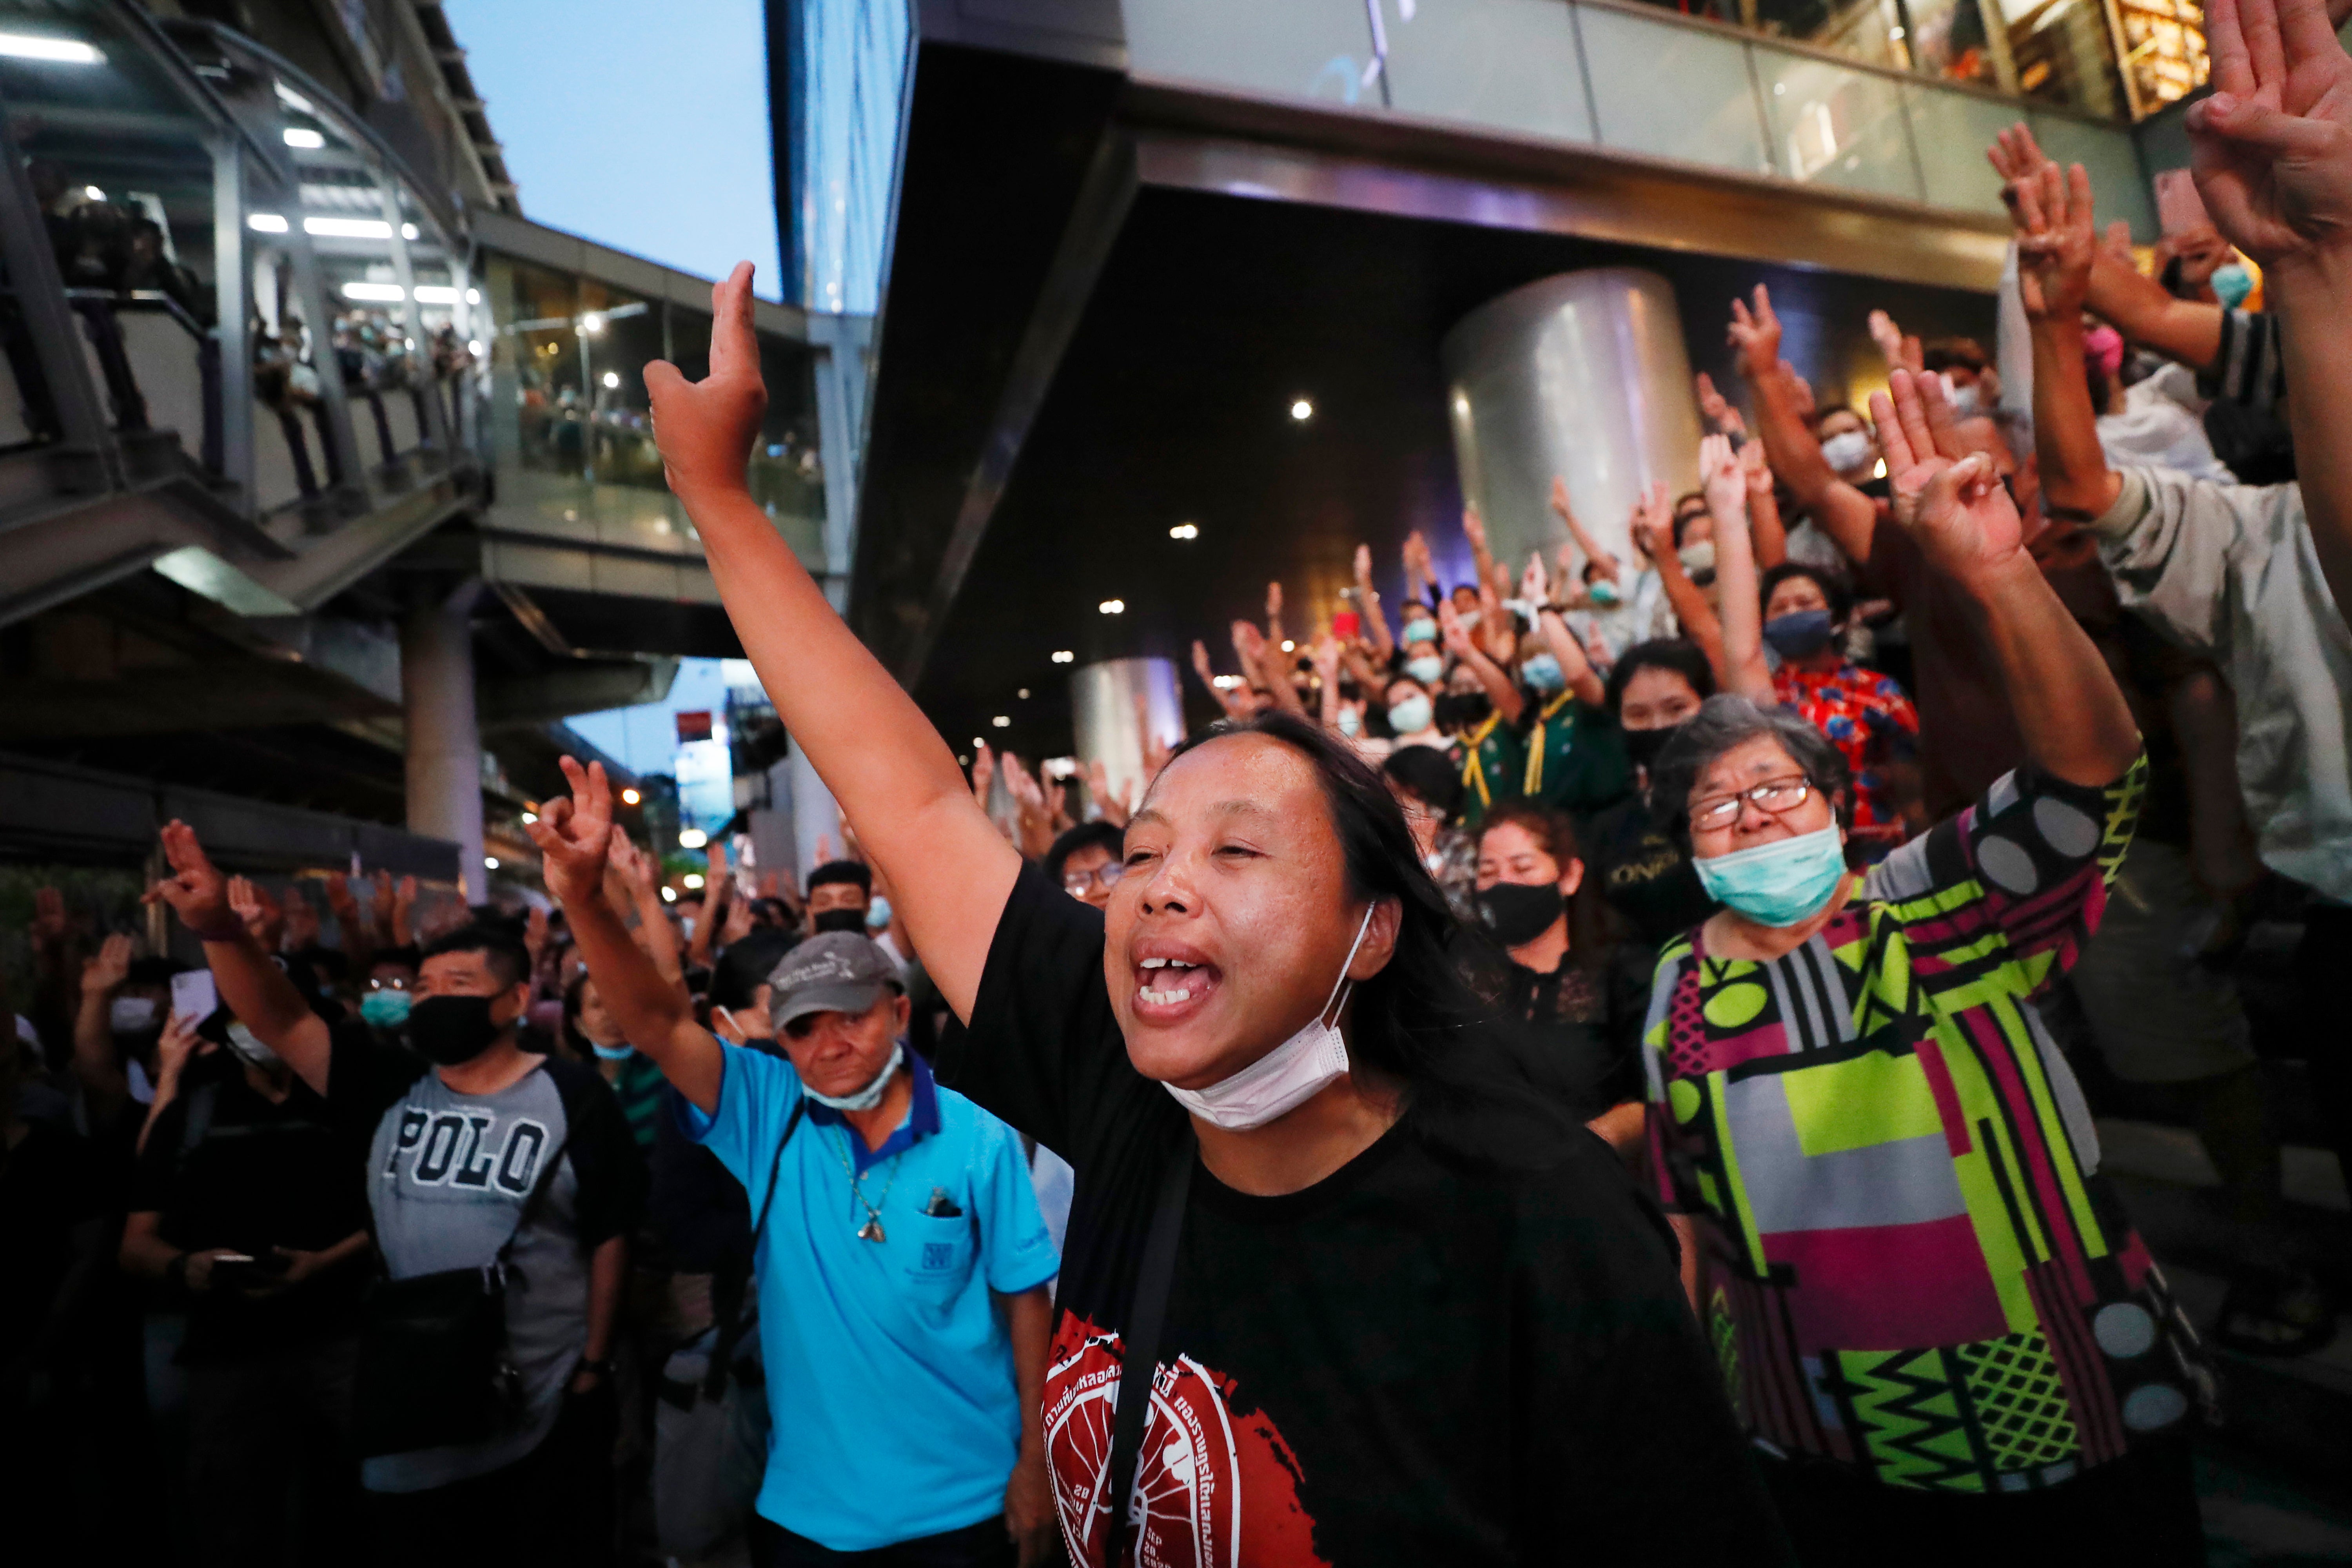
<point x="705" y="428"/>
<point x="195" y="890"/>
<point x="1952" y="503"/>
<point x="574" y="835"/>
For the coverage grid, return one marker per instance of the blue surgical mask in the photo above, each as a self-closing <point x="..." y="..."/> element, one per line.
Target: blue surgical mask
<point x="1428" y="668"/>
<point x="878" y="913"/>
<point x="385" y="1009"/>
<point x="613" y="1053"/>
<point x="1801" y="634"/>
<point x="2232" y="284"/>
<point x="1410" y="716"/>
<point x="1601" y="591"/>
<point x="1423" y="630"/>
<point x="1780" y="883"/>
<point x="1543" y="672"/>
<point x="1352" y="723"/>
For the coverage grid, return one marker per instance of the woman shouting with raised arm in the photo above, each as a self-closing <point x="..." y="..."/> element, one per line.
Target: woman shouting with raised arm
<point x="1387" y="1303"/>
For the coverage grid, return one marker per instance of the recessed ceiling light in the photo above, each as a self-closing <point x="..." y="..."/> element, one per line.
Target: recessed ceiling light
<point x="1302" y="410"/>
<point x="57" y="51"/>
<point x="692" y="838"/>
<point x="1002" y="721"/>
<point x="1113" y="606"/>
<point x="1064" y="655"/>
<point x="1023" y="694"/>
<point x="304" y="138"/>
<point x="1185" y="530"/>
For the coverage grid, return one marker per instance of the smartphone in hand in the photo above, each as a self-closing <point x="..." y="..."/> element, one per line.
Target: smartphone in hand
<point x="193" y="995"/>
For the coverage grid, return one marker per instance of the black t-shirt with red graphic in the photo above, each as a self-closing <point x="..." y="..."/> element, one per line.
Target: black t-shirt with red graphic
<point x="1408" y="1363"/>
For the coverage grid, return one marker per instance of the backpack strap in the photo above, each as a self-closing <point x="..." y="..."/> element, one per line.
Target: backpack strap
<point x="730" y="1301"/>
<point x="1146" y="1317"/>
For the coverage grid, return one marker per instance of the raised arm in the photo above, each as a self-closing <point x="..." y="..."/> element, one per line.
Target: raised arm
<point x="1207" y="674"/>
<point x="1699" y="622"/>
<point x="2070" y="712"/>
<point x="1474" y="529"/>
<point x="1742" y="666"/>
<point x="2271" y="149"/>
<point x="359" y="944"/>
<point x="1771" y="540"/>
<point x="1535" y="587"/>
<point x="641" y="880"/>
<point x="574" y="836"/>
<point x="895" y="778"/>
<point x="250" y="983"/>
<point x="1845" y="514"/>
<point x="1458" y="642"/>
<point x="96" y="1063"/>
<point x="1584" y="541"/>
<point x="2055" y="242"/>
<point x="1368" y="605"/>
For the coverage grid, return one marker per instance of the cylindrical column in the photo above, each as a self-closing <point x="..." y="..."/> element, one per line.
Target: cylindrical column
<point x="445" y="743"/>
<point x="816" y="819"/>
<point x="1584" y="376"/>
<point x="1111" y="704"/>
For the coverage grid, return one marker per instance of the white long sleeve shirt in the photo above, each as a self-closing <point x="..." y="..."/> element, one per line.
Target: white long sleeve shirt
<point x="2229" y="571"/>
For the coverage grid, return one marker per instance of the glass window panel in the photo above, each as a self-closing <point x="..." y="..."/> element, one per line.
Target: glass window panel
<point x="1709" y="115"/>
<point x="2106" y="154"/>
<point x="1952" y="131"/>
<point x="1299" y="48"/>
<point x="1837" y="126"/>
<point x="1506" y="63"/>
<point x="2062" y="54"/>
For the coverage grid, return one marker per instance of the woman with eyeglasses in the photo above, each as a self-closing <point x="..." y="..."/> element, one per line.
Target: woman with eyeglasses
<point x="1930" y="1313"/>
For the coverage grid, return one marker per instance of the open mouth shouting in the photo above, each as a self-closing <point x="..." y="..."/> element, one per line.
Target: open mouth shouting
<point x="1172" y="982"/>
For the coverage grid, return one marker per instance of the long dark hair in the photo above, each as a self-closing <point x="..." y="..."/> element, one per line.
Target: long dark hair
<point x="1475" y="1089"/>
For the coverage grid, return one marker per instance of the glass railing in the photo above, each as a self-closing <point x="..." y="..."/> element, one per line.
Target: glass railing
<point x="1889" y="98"/>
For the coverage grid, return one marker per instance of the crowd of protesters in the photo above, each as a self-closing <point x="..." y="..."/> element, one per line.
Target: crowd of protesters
<point x="1201" y="1175"/>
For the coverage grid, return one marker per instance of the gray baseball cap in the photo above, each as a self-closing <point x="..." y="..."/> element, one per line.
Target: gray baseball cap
<point x="838" y="972"/>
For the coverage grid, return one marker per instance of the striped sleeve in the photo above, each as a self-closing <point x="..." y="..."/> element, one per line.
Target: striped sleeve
<point x="1670" y="1155"/>
<point x="2249" y="370"/>
<point x="1999" y="899"/>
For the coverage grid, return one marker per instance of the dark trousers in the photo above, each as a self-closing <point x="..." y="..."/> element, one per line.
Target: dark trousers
<point x="553" y="1507"/>
<point x="2321" y="960"/>
<point x="2140" y="1510"/>
<point x="981" y="1545"/>
<point x="271" y="1477"/>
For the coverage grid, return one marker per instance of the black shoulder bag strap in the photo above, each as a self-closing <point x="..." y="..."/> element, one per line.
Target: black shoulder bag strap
<point x="537" y="1196"/>
<point x="1145" y="1318"/>
<point x="730" y="1312"/>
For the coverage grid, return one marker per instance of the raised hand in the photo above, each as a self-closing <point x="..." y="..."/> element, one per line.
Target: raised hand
<point x="1200" y="665"/>
<point x="340" y="898"/>
<point x="1901" y="353"/>
<point x="705" y="428"/>
<point x="1363" y="566"/>
<point x="1801" y="391"/>
<point x="301" y="920"/>
<point x="1713" y="405"/>
<point x="264" y="921"/>
<point x="983" y="773"/>
<point x="1474" y="528"/>
<point x="1274" y="601"/>
<point x="574" y="833"/>
<point x="1534" y="582"/>
<point x="2271" y="147"/>
<point x="109" y="968"/>
<point x="1756" y="334"/>
<point x="1653" y="522"/>
<point x="2015" y="155"/>
<point x="176" y="1044"/>
<point x="2055" y="243"/>
<point x="1758" y="467"/>
<point x="195" y="890"/>
<point x="1249" y="643"/>
<point x="1451" y="633"/>
<point x="1724" y="480"/>
<point x="1947" y="498"/>
<point x="534" y="934"/>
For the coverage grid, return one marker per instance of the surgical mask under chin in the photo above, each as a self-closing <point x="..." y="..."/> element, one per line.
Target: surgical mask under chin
<point x="249" y="1045"/>
<point x="1799" y="635"/>
<point x="1601" y="591"/>
<point x="1697" y="558"/>
<point x="2231" y="283"/>
<point x="878" y="913"/>
<point x="130" y="1015"/>
<point x="1286" y="1076"/>
<point x="1846" y="451"/>
<point x="1411" y="716"/>
<point x="1428" y="669"/>
<point x="869" y="1097"/>
<point x="386" y="1009"/>
<point x="619" y="1053"/>
<point x="1543" y="673"/>
<point x="1780" y="883"/>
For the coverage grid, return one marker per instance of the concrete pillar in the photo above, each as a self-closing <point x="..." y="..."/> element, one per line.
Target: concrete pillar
<point x="814" y="816"/>
<point x="1584" y="375"/>
<point x="445" y="743"/>
<point x="1111" y="704"/>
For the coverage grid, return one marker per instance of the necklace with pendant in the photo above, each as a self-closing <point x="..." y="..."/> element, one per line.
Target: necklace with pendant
<point x="872" y="1229"/>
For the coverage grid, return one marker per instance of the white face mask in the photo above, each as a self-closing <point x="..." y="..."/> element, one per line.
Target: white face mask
<point x="130" y="1015"/>
<point x="1287" y="1076"/>
<point x="249" y="1045"/>
<point x="1846" y="451"/>
<point x="869" y="1097"/>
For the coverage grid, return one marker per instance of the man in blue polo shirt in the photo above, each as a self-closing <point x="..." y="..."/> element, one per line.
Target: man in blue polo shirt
<point x="901" y="1266"/>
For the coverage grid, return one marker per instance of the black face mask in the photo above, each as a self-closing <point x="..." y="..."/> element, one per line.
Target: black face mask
<point x="1515" y="913"/>
<point x="1643" y="746"/>
<point x="450" y="1031"/>
<point x="1461" y="710"/>
<point x="840" y="919"/>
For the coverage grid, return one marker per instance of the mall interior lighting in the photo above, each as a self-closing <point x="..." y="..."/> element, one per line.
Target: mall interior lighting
<point x="301" y="136"/>
<point x="692" y="838"/>
<point x="1302" y="410"/>
<point x="1112" y="606"/>
<point x="50" y="50"/>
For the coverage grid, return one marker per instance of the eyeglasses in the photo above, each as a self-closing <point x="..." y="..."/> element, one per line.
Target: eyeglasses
<point x="1775" y="796"/>
<point x="1105" y="876"/>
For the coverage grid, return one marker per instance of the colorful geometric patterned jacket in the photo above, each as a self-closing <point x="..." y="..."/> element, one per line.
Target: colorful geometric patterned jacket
<point x="1910" y="1265"/>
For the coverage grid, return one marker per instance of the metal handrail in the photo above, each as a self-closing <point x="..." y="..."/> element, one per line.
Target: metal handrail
<point x="171" y="307"/>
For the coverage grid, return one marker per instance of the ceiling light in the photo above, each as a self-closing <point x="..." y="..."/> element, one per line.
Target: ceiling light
<point x="612" y="379"/>
<point x="57" y="51"/>
<point x="266" y="223"/>
<point x="592" y="323"/>
<point x="1288" y="646"/>
<point x="979" y="742"/>
<point x="1226" y="682"/>
<point x="1302" y="410"/>
<point x="408" y="231"/>
<point x="474" y="347"/>
<point x="1064" y="655"/>
<point x="387" y="292"/>
<point x="1023" y="694"/>
<point x="694" y="879"/>
<point x="630" y="797"/>
<point x="1113" y="606"/>
<point x="435" y="294"/>
<point x="347" y="227"/>
<point x="1002" y="721"/>
<point x="669" y="895"/>
<point x="93" y="193"/>
<point x="692" y="838"/>
<point x="311" y="141"/>
<point x="1185" y="530"/>
<point x="491" y="861"/>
